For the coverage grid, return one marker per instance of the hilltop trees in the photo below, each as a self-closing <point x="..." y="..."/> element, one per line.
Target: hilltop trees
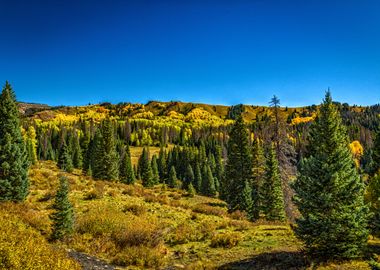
<point x="63" y="215"/>
<point x="329" y="192"/>
<point x="14" y="159"/>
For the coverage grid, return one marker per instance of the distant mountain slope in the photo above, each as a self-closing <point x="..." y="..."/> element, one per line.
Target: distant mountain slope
<point x="32" y="108"/>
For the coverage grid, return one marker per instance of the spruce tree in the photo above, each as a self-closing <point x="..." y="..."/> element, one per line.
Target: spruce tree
<point x="77" y="153"/>
<point x="95" y="153"/>
<point x="65" y="162"/>
<point x="247" y="202"/>
<point x="172" y="180"/>
<point x="145" y="170"/>
<point x="219" y="169"/>
<point x="208" y="182"/>
<point x="189" y="177"/>
<point x="191" y="190"/>
<point x="375" y="166"/>
<point x="198" y="178"/>
<point x="126" y="174"/>
<point x="162" y="164"/>
<point x="14" y="160"/>
<point x="155" y="172"/>
<point x="373" y="198"/>
<point x="273" y="198"/>
<point x="329" y="192"/>
<point x="63" y="215"/>
<point x="258" y="162"/>
<point x="110" y="158"/>
<point x="238" y="166"/>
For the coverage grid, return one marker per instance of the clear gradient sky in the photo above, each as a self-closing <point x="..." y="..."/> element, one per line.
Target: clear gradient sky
<point x="73" y="52"/>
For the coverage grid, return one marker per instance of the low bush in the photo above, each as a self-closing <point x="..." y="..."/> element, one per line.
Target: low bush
<point x="141" y="256"/>
<point x="225" y="240"/>
<point x="238" y="215"/>
<point x="135" y="209"/>
<point x="95" y="193"/>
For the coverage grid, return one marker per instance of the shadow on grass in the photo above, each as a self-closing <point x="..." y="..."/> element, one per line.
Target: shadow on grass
<point x="279" y="260"/>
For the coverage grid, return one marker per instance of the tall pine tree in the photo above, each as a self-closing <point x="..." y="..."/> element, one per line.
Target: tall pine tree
<point x="273" y="198"/>
<point x="63" y="215"/>
<point x="373" y="198"/>
<point x="375" y="166"/>
<point x="329" y="192"/>
<point x="65" y="162"/>
<point x="14" y="160"/>
<point x="238" y="169"/>
<point x="208" y="182"/>
<point x="145" y="170"/>
<point x="258" y="162"/>
<point x="110" y="158"/>
<point x="172" y="180"/>
<point x="126" y="174"/>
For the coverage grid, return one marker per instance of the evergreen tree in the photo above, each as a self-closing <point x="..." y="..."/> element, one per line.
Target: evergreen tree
<point x="155" y="172"/>
<point x="238" y="166"/>
<point x="95" y="153"/>
<point x="208" y="183"/>
<point x="110" y="158"/>
<point x="373" y="198"/>
<point x="376" y="155"/>
<point x="247" y="202"/>
<point x="191" y="190"/>
<point x="126" y="173"/>
<point x="145" y="170"/>
<point x="329" y="192"/>
<point x="63" y="215"/>
<point x="14" y="160"/>
<point x="198" y="178"/>
<point x="162" y="165"/>
<point x="219" y="173"/>
<point x="77" y="153"/>
<point x="258" y="161"/>
<point x="64" y="159"/>
<point x="273" y="198"/>
<point x="172" y="180"/>
<point x="189" y="177"/>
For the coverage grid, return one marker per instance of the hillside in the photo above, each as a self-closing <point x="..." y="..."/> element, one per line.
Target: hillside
<point x="160" y="228"/>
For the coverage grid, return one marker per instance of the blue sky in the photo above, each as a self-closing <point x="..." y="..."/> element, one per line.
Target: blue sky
<point x="221" y="52"/>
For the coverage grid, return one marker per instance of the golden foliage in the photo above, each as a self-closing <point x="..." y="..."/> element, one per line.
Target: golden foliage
<point x="301" y="120"/>
<point x="357" y="151"/>
<point x="23" y="248"/>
